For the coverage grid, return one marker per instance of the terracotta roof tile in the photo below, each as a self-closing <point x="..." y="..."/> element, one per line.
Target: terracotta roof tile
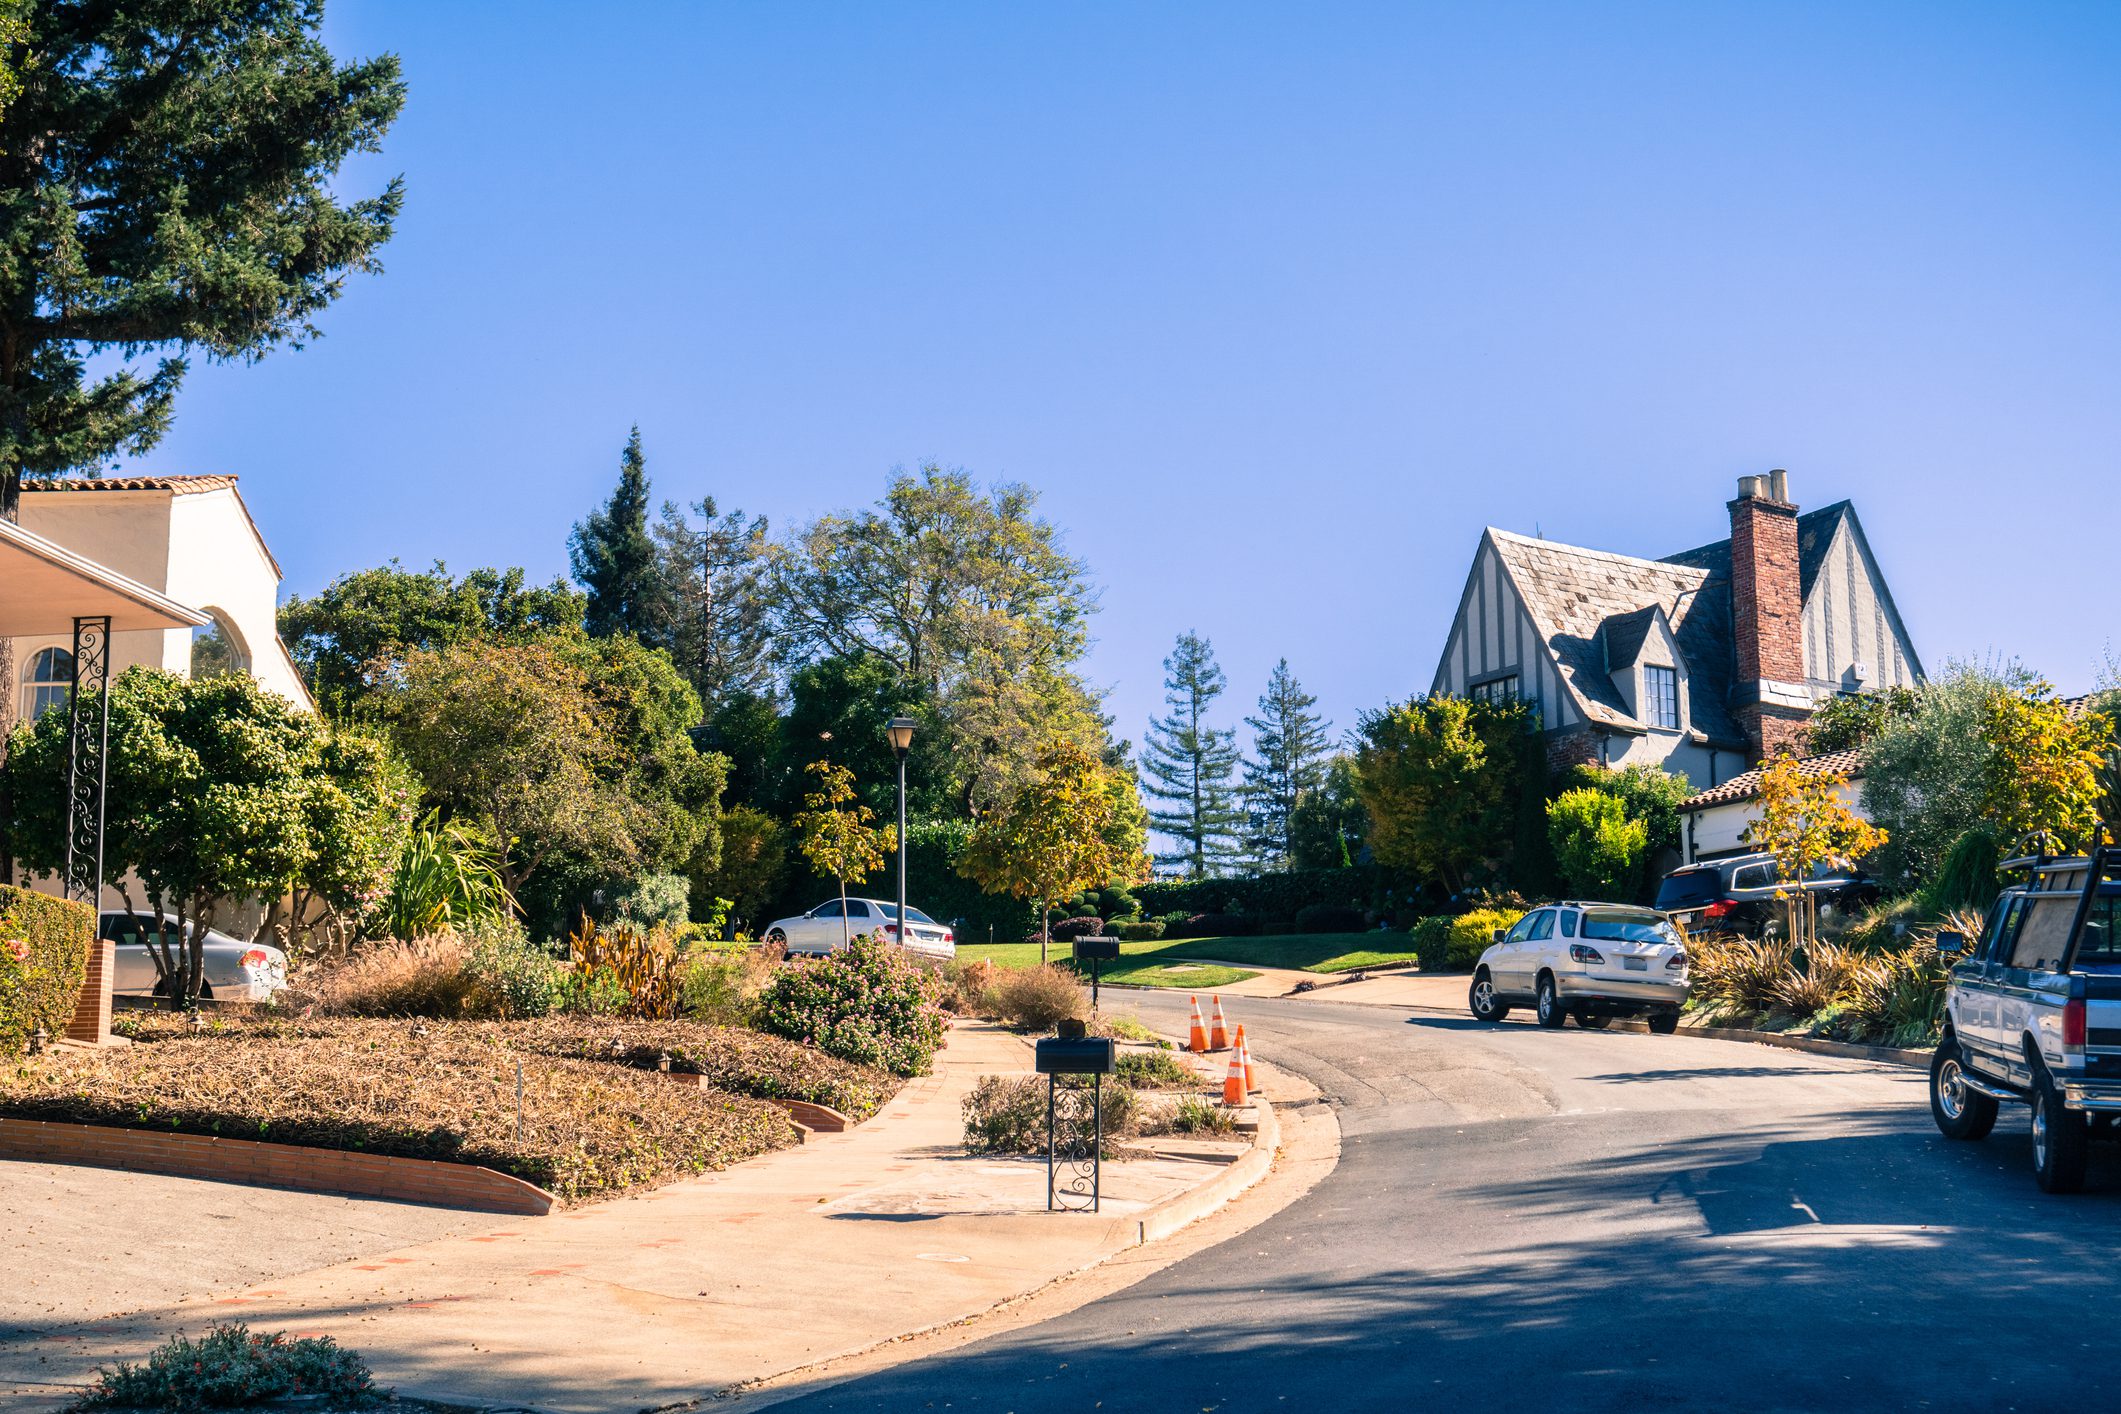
<point x="181" y="485"/>
<point x="1848" y="764"/>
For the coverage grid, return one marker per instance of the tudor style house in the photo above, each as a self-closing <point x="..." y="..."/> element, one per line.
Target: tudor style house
<point x="1702" y="663"/>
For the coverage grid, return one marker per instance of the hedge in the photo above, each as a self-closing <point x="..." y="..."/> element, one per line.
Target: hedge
<point x="44" y="944"/>
<point x="1454" y="944"/>
<point x="1268" y="896"/>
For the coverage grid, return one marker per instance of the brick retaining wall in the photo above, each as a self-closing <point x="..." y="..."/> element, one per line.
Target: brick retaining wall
<point x="273" y="1165"/>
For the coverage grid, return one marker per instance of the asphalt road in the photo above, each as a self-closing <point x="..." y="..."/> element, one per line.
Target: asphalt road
<point x="1599" y="1221"/>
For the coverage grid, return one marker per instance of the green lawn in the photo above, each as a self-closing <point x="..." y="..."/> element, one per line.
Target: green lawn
<point x="1151" y="964"/>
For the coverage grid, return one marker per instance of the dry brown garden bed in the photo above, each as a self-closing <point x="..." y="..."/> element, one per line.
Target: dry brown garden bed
<point x="593" y="1124"/>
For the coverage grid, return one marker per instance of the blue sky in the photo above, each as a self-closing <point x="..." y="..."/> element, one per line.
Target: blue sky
<point x="1277" y="305"/>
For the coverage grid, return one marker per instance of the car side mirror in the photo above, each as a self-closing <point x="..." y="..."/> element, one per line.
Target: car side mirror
<point x="1500" y="934"/>
<point x="1951" y="943"/>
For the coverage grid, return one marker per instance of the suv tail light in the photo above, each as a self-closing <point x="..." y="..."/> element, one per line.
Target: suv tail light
<point x="1675" y="963"/>
<point x="1579" y="953"/>
<point x="2073" y="1024"/>
<point x="253" y="959"/>
<point x="1721" y="907"/>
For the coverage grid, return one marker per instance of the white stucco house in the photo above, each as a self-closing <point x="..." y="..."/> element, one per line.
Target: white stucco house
<point x="189" y="538"/>
<point x="1713" y="822"/>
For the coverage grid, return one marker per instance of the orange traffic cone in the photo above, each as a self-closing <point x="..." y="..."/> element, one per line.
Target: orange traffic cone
<point x="1219" y="1034"/>
<point x="1198" y="1041"/>
<point x="1234" y="1080"/>
<point x="1244" y="1057"/>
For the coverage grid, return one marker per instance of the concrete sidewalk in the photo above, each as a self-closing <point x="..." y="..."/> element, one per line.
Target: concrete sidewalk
<point x="801" y="1256"/>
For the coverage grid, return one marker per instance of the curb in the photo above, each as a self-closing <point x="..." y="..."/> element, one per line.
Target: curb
<point x="1190" y="1207"/>
<point x="1848" y="1050"/>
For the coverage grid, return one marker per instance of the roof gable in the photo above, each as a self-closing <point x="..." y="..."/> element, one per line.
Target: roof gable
<point x="1571" y="592"/>
<point x="1815" y="535"/>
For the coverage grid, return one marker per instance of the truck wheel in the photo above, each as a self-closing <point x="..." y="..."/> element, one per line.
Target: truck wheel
<point x="1961" y="1111"/>
<point x="1481" y="998"/>
<point x="2061" y="1140"/>
<point x="1663" y="1023"/>
<point x="1551" y="1012"/>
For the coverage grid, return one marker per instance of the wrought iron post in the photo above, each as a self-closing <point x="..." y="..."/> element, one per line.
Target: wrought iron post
<point x="87" y="765"/>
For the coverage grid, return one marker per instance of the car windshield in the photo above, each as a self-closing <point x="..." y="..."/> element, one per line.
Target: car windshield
<point x="1689" y="887"/>
<point x="913" y="915"/>
<point x="1626" y="926"/>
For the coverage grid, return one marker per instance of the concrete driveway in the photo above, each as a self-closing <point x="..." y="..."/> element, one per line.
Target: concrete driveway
<point x="1592" y="1220"/>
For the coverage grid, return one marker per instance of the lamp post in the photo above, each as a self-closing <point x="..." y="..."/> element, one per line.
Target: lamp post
<point x="899" y="731"/>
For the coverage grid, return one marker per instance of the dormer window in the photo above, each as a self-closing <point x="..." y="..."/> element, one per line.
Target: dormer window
<point x="1661" y="697"/>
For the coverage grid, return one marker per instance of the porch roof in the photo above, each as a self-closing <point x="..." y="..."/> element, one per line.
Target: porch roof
<point x="44" y="587"/>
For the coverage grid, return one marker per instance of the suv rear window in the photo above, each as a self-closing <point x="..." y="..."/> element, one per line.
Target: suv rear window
<point x="1628" y="926"/>
<point x="1689" y="888"/>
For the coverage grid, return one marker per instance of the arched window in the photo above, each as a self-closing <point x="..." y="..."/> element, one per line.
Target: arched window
<point x="46" y="682"/>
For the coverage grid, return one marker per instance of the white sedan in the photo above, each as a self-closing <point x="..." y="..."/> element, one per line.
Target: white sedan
<point x="233" y="970"/>
<point x="1592" y="961"/>
<point x="825" y="929"/>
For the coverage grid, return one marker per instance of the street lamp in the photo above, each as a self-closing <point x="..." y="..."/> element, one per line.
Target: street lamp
<point x="899" y="732"/>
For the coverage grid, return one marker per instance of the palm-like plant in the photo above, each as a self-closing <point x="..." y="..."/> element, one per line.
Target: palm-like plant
<point x="447" y="878"/>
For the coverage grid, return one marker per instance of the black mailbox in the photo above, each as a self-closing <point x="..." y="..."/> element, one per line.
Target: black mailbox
<point x="1099" y="949"/>
<point x="1076" y="1055"/>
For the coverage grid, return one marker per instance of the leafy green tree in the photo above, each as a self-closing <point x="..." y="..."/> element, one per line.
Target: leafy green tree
<point x="1328" y="826"/>
<point x="1288" y="766"/>
<point x="2042" y="775"/>
<point x="1063" y="831"/>
<point x="714" y="586"/>
<point x="360" y="812"/>
<point x="1925" y="775"/>
<point x="1190" y="765"/>
<point x="1596" y="846"/>
<point x="614" y="558"/>
<point x="1848" y="720"/>
<point x="749" y="868"/>
<point x="1649" y="795"/>
<point x="369" y="617"/>
<point x="837" y="708"/>
<point x="514" y="737"/>
<point x="838" y="834"/>
<point x="14" y="39"/>
<point x="168" y="177"/>
<point x="230" y="794"/>
<point x="1441" y="780"/>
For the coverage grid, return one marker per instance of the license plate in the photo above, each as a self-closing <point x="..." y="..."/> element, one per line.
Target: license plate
<point x="1635" y="964"/>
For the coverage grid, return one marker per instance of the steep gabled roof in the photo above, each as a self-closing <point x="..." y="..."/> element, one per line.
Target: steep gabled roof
<point x="1624" y="635"/>
<point x="1815" y="533"/>
<point x="1571" y="591"/>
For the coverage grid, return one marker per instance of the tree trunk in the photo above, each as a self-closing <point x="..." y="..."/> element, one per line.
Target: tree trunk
<point x="1045" y="931"/>
<point x="843" y="913"/>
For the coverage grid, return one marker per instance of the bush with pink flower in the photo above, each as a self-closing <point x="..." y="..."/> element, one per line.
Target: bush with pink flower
<point x="867" y="1002"/>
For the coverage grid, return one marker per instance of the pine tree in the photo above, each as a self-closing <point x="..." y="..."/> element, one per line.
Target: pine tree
<point x="1288" y="765"/>
<point x="615" y="559"/>
<point x="1190" y="765"/>
<point x="720" y="624"/>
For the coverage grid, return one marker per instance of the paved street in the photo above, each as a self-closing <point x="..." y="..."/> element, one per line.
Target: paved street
<point x="1592" y="1220"/>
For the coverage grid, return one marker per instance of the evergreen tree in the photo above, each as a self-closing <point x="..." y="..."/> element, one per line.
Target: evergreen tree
<point x="1288" y="765"/>
<point x="614" y="559"/>
<point x="1189" y="765"/>
<point x="166" y="179"/>
<point x="720" y="623"/>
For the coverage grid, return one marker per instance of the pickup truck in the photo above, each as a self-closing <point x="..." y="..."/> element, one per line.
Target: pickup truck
<point x="2033" y="1014"/>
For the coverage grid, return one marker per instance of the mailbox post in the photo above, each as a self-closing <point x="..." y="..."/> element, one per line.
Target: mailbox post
<point x="1073" y="1177"/>
<point x="1096" y="951"/>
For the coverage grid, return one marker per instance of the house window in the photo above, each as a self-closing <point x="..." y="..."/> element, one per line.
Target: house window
<point x="1495" y="690"/>
<point x="1662" y="689"/>
<point x="46" y="682"/>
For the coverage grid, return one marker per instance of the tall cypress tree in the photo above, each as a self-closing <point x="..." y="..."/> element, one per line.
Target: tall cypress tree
<point x="1190" y="765"/>
<point x="614" y="559"/>
<point x="1288" y="765"/>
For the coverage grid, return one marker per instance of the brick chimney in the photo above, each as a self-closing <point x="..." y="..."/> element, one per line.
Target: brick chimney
<point x="1769" y="692"/>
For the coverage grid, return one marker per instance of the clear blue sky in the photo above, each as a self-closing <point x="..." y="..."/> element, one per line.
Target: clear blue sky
<point x="1278" y="305"/>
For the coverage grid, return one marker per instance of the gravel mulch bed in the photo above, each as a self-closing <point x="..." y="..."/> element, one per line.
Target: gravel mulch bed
<point x="418" y="1089"/>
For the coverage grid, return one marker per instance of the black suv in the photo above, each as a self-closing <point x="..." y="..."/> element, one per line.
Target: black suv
<point x="1737" y="895"/>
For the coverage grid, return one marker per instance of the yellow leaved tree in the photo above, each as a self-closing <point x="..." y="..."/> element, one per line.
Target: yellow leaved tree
<point x="839" y="834"/>
<point x="1805" y="824"/>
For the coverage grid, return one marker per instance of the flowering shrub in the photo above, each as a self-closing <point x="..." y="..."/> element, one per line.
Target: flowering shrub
<point x="229" y="1368"/>
<point x="866" y="1003"/>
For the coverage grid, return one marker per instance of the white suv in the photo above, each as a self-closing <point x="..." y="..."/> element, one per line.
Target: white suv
<point x="1592" y="961"/>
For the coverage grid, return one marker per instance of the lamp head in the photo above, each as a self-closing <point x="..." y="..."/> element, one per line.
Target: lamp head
<point x="899" y="731"/>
